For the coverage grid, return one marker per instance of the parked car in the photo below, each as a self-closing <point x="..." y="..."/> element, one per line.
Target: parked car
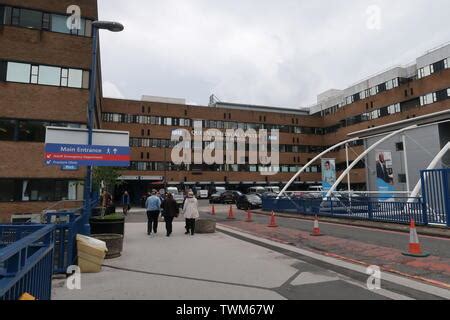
<point x="230" y="197"/>
<point x="216" y="197"/>
<point x="177" y="196"/>
<point x="249" y="201"/>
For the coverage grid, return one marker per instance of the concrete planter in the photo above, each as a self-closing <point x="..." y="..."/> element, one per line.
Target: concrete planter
<point x="107" y="226"/>
<point x="114" y="243"/>
<point x="205" y="226"/>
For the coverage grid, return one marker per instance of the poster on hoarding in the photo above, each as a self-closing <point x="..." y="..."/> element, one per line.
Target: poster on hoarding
<point x="328" y="173"/>
<point x="385" y="175"/>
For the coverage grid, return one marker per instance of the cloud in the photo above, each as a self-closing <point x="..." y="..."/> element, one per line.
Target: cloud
<point x="110" y="90"/>
<point x="262" y="52"/>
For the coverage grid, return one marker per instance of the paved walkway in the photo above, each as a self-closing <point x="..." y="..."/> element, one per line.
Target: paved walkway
<point x="364" y="245"/>
<point x="210" y="267"/>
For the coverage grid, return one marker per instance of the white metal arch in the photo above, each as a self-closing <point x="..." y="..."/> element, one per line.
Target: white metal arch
<point x="362" y="155"/>
<point x="311" y="162"/>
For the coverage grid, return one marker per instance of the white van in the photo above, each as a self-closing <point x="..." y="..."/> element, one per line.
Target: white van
<point x="202" y="194"/>
<point x="273" y="189"/>
<point x="259" y="190"/>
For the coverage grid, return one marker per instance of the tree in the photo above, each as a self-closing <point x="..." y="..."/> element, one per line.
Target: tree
<point x="107" y="177"/>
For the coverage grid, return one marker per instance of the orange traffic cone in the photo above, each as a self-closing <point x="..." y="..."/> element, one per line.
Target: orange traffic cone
<point x="414" y="245"/>
<point x="316" y="228"/>
<point x="213" y="210"/>
<point x="272" y="223"/>
<point x="249" y="216"/>
<point x="27" y="297"/>
<point x="231" y="213"/>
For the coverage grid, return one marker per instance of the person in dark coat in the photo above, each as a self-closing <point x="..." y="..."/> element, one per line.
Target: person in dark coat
<point x="126" y="202"/>
<point x="170" y="212"/>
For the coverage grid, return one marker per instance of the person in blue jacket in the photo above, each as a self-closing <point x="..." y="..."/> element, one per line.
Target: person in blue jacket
<point x="126" y="202"/>
<point x="153" y="205"/>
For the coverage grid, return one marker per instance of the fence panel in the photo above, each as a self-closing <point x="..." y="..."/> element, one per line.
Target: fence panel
<point x="26" y="259"/>
<point x="436" y="195"/>
<point x="360" y="208"/>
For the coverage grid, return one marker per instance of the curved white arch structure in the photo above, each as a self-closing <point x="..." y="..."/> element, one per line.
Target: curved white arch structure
<point x="362" y="155"/>
<point x="311" y="162"/>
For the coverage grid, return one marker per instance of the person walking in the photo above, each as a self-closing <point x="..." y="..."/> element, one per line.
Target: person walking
<point x="170" y="212"/>
<point x="190" y="212"/>
<point x="107" y="203"/>
<point x="126" y="202"/>
<point x="153" y="205"/>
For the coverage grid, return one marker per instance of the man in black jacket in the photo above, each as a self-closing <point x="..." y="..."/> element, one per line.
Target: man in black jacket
<point x="170" y="211"/>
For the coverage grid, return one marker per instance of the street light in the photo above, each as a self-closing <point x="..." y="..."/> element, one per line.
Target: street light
<point x="96" y="26"/>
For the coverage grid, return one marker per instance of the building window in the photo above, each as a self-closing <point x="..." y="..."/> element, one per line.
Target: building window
<point x="18" y="72"/>
<point x="47" y="75"/>
<point x="399" y="146"/>
<point x="395" y="108"/>
<point x="7" y="130"/>
<point x="427" y="99"/>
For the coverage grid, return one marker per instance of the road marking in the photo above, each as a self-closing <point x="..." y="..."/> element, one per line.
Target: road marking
<point x="405" y="282"/>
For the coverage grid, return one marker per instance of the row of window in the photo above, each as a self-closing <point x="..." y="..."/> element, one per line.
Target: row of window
<point x="166" y="166"/>
<point x="139" y="119"/>
<point x="437" y="96"/>
<point x="44" y="75"/>
<point x="388" y="85"/>
<point x="212" y="124"/>
<point x="433" y="68"/>
<point x="39" y="20"/>
<point x="28" y="130"/>
<point x="165" y="143"/>
<point x="378" y="113"/>
<point x="13" y="190"/>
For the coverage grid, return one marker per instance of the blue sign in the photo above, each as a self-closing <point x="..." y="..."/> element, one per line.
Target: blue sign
<point x="84" y="155"/>
<point x="69" y="167"/>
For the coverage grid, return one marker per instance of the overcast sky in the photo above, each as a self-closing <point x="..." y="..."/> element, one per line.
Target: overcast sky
<point x="267" y="52"/>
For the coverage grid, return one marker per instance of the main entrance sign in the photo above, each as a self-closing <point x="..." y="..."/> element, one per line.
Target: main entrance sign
<point x="68" y="147"/>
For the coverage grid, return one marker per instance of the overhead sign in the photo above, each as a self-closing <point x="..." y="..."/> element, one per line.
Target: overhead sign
<point x="68" y="147"/>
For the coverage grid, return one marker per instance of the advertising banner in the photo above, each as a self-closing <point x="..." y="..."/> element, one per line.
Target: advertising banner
<point x="328" y="174"/>
<point x="385" y="175"/>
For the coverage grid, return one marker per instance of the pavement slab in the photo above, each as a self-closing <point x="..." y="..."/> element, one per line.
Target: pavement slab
<point x="207" y="267"/>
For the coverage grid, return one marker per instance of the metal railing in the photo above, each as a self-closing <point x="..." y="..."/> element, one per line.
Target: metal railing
<point x="67" y="226"/>
<point x="397" y="210"/>
<point x="26" y="261"/>
<point x="436" y="195"/>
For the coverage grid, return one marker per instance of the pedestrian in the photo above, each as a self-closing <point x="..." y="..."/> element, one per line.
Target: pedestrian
<point x="190" y="211"/>
<point x="170" y="211"/>
<point x="126" y="202"/>
<point x="153" y="205"/>
<point x="107" y="201"/>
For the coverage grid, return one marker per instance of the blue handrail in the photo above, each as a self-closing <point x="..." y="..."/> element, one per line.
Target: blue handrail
<point x="26" y="262"/>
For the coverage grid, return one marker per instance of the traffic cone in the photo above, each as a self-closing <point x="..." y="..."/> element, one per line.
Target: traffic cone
<point x="27" y="297"/>
<point x="213" y="210"/>
<point x="249" y="216"/>
<point x="272" y="223"/>
<point x="414" y="245"/>
<point x="316" y="228"/>
<point x="231" y="213"/>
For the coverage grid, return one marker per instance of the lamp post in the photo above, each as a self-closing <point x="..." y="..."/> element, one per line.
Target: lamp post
<point x="96" y="26"/>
